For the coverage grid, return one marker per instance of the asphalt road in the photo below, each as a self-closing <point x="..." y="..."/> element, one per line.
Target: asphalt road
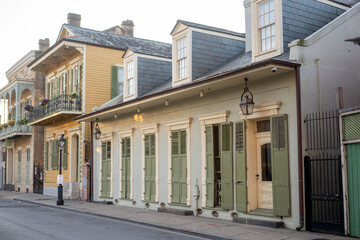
<point x="19" y="220"/>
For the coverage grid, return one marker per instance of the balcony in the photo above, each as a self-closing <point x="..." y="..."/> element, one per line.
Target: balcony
<point x="14" y="131"/>
<point x="58" y="108"/>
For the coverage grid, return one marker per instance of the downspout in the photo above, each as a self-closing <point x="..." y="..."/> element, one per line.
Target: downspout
<point x="91" y="161"/>
<point x="300" y="162"/>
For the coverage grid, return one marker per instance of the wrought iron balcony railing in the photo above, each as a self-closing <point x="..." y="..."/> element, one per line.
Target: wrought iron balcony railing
<point x="15" y="129"/>
<point x="60" y="103"/>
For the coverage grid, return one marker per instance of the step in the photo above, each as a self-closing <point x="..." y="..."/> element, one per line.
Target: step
<point x="176" y="211"/>
<point x="103" y="202"/>
<point x="258" y="222"/>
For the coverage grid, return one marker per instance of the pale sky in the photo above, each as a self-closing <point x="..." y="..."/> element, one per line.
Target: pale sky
<point x="24" y="22"/>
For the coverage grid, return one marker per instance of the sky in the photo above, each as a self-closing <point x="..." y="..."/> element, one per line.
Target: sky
<point x="24" y="22"/>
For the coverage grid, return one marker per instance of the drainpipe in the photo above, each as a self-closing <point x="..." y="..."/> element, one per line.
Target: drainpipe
<point x="91" y="161"/>
<point x="300" y="162"/>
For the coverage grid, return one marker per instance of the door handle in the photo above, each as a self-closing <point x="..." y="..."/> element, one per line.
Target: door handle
<point x="240" y="182"/>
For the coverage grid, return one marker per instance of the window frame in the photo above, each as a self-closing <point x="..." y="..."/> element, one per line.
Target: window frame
<point x="182" y="59"/>
<point x="271" y="25"/>
<point x="130" y="68"/>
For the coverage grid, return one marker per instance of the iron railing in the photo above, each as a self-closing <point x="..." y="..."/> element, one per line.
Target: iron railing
<point x="217" y="193"/>
<point x="62" y="102"/>
<point x="16" y="128"/>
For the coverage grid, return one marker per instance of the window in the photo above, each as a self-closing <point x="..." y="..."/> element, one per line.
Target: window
<point x="181" y="58"/>
<point x="117" y="79"/>
<point x="267" y="25"/>
<point x="76" y="80"/>
<point x="130" y="78"/>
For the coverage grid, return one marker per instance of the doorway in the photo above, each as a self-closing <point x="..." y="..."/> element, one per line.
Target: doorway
<point x="74" y="158"/>
<point x="264" y="171"/>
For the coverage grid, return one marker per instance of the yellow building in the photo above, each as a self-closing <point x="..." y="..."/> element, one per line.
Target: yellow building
<point x="83" y="69"/>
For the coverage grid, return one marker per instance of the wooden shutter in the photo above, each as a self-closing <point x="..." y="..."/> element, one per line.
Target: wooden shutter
<point x="183" y="167"/>
<point x="209" y="166"/>
<point x="114" y="81"/>
<point x="57" y="86"/>
<point x="240" y="166"/>
<point x="175" y="168"/>
<point x="280" y="165"/>
<point x="70" y="81"/>
<point x="46" y="164"/>
<point x="227" y="195"/>
<point x="147" y="168"/>
<point x="56" y="154"/>
<point x="19" y="168"/>
<point x="104" y="187"/>
<point x="128" y="168"/>
<point x="51" y="154"/>
<point x="27" y="166"/>
<point x="153" y="168"/>
<point x="65" y="154"/>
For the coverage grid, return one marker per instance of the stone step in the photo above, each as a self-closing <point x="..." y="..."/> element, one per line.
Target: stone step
<point x="259" y="222"/>
<point x="176" y="211"/>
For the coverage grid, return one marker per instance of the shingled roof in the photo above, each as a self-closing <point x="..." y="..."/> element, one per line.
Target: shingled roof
<point x="117" y="41"/>
<point x="209" y="28"/>
<point x="165" y="51"/>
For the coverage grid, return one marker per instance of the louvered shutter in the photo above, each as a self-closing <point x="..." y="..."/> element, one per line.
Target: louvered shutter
<point x="114" y="81"/>
<point x="209" y="166"/>
<point x="240" y="166"/>
<point x="227" y="196"/>
<point x="280" y="165"/>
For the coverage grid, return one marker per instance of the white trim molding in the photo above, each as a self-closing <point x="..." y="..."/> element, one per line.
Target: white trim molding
<point x="178" y="125"/>
<point x="208" y="119"/>
<point x="263" y="110"/>
<point x="151" y="129"/>
<point x="123" y="134"/>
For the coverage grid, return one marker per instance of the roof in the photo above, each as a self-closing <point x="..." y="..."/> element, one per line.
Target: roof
<point x="164" y="51"/>
<point x="209" y="28"/>
<point x="349" y="3"/>
<point x="111" y="40"/>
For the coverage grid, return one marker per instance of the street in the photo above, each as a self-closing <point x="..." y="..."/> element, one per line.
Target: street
<point x="19" y="220"/>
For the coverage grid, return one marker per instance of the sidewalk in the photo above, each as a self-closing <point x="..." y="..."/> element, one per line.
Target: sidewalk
<point x="205" y="227"/>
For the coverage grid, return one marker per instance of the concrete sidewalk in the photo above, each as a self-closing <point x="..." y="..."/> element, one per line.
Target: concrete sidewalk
<point x="200" y="226"/>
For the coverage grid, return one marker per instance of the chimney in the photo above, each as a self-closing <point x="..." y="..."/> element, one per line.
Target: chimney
<point x="128" y="28"/>
<point x="74" y="19"/>
<point x="44" y="44"/>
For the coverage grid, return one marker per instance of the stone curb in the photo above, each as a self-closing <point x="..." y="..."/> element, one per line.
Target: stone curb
<point x="178" y="230"/>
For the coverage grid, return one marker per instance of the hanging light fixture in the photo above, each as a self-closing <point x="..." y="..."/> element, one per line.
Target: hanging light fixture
<point x="247" y="103"/>
<point x="97" y="133"/>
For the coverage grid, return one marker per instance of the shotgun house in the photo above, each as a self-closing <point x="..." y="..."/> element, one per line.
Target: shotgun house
<point x="187" y="145"/>
<point x="23" y="148"/>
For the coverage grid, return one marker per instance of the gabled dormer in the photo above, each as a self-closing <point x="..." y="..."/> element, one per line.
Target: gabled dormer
<point x="146" y="68"/>
<point x="199" y="48"/>
<point x="272" y="24"/>
<point x="72" y="19"/>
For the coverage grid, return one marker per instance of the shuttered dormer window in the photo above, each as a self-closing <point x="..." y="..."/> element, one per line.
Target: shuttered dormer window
<point x="181" y="58"/>
<point x="130" y="78"/>
<point x="267" y="25"/>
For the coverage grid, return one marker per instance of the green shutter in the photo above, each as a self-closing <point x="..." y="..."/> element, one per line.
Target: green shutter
<point x="183" y="169"/>
<point x="114" y="81"/>
<point x="46" y="155"/>
<point x="126" y="168"/>
<point x="175" y="168"/>
<point x="280" y="165"/>
<point x="19" y="168"/>
<point x="65" y="154"/>
<point x="56" y="154"/>
<point x="153" y="168"/>
<point x="227" y="194"/>
<point x="70" y="81"/>
<point x="240" y="166"/>
<point x="209" y="167"/>
<point x="147" y="168"/>
<point x="105" y="169"/>
<point x="27" y="167"/>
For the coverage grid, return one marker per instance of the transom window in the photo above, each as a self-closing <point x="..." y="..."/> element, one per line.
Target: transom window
<point x="267" y="25"/>
<point x="181" y="58"/>
<point x="130" y="78"/>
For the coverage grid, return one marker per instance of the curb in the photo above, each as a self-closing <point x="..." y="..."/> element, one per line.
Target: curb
<point x="178" y="230"/>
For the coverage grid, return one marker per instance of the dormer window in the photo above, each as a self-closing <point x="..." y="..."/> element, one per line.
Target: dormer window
<point x="267" y="25"/>
<point x="181" y="58"/>
<point x="130" y="78"/>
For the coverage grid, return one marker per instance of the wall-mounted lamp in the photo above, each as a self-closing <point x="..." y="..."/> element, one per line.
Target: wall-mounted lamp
<point x="166" y="102"/>
<point x="115" y="116"/>
<point x="138" y="109"/>
<point x="247" y="103"/>
<point x="97" y="133"/>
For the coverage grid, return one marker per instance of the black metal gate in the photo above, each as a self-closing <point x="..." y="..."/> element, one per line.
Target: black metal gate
<point x="323" y="178"/>
<point x="38" y="178"/>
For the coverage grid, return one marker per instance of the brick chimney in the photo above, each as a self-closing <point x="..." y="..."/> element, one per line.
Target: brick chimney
<point x="74" y="19"/>
<point x="128" y="28"/>
<point x="44" y="44"/>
